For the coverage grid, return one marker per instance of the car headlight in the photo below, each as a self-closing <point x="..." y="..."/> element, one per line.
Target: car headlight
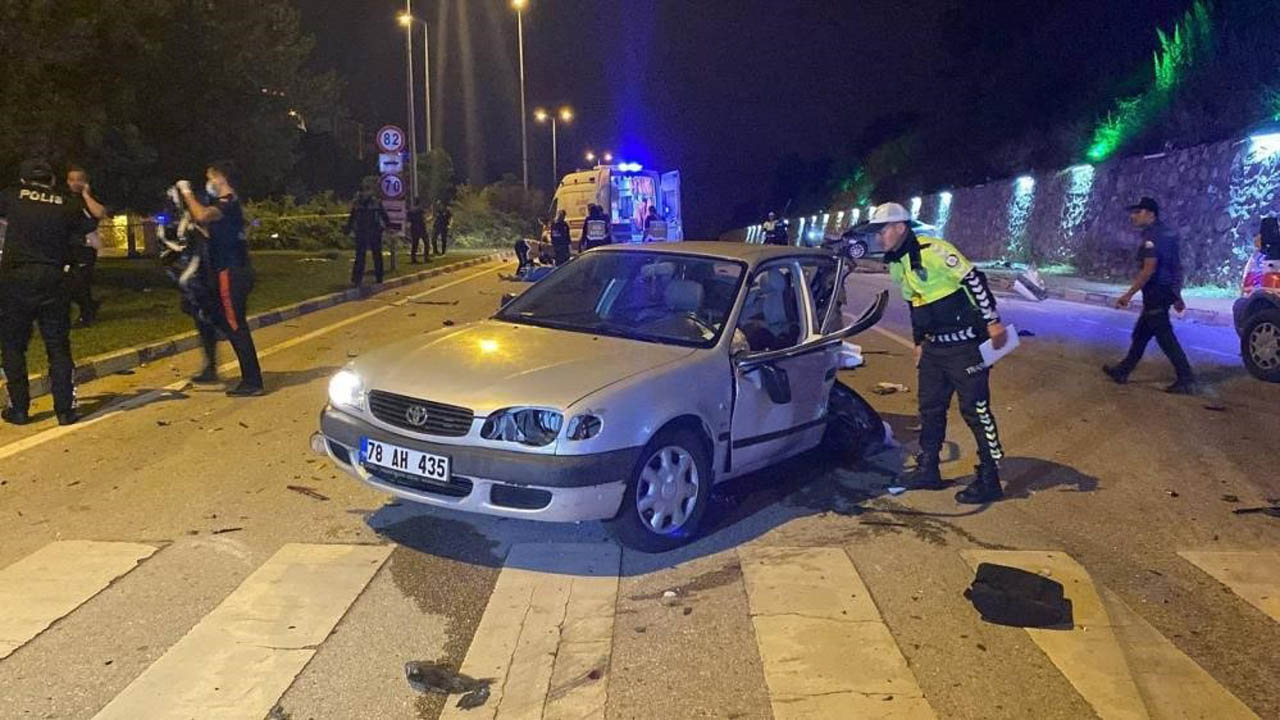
<point x="346" y="390"/>
<point x="527" y="426"/>
<point x="584" y="427"/>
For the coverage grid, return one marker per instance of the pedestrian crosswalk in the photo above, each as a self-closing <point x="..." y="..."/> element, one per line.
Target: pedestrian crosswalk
<point x="545" y="642"/>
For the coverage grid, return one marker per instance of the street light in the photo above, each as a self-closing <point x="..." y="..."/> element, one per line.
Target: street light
<point x="563" y="115"/>
<point x="591" y="157"/>
<point x="607" y="157"/>
<point x="519" y="6"/>
<point x="407" y="20"/>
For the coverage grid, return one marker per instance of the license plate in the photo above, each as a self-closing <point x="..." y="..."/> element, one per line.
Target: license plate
<point x="404" y="460"/>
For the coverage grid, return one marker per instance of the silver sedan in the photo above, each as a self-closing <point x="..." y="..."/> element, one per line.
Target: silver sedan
<point x="619" y="388"/>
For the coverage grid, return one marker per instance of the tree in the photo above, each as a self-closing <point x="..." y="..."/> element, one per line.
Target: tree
<point x="143" y="92"/>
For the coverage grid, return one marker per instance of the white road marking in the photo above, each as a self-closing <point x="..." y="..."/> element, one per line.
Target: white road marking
<point x="904" y="342"/>
<point x="240" y="658"/>
<point x="1254" y="576"/>
<point x="826" y="651"/>
<point x="547" y="627"/>
<point x="51" y="582"/>
<point x="56" y="432"/>
<point x="1120" y="665"/>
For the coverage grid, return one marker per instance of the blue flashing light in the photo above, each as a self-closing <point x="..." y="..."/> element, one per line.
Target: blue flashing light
<point x="162" y="219"/>
<point x="630" y="167"/>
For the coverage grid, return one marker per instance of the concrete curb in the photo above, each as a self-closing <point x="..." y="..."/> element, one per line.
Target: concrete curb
<point x="1004" y="282"/>
<point x="128" y="358"/>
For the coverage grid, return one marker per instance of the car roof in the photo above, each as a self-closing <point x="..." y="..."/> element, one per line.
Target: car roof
<point x="752" y="254"/>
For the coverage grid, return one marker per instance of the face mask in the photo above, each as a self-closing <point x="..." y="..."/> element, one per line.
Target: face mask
<point x="211" y="189"/>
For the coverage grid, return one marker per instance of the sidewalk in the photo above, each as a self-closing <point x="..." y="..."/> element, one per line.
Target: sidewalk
<point x="1202" y="310"/>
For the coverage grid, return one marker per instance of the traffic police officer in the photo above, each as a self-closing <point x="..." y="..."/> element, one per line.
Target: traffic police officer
<point x="595" y="229"/>
<point x="952" y="313"/>
<point x="43" y="226"/>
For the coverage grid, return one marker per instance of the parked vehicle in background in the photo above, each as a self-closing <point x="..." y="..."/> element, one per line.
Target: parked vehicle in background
<point x="1257" y="317"/>
<point x="619" y="388"/>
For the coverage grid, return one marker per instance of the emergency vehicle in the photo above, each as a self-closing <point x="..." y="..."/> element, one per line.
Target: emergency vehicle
<point x="626" y="191"/>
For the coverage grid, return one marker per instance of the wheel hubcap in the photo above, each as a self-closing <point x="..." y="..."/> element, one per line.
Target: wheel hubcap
<point x="667" y="490"/>
<point x="1264" y="346"/>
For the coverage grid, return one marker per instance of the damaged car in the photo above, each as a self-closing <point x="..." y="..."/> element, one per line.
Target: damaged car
<point x="620" y="388"/>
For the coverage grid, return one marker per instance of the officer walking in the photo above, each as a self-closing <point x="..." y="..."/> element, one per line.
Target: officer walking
<point x="43" y="226"/>
<point x="440" y="228"/>
<point x="223" y="222"/>
<point x="85" y="254"/>
<point x="367" y="220"/>
<point x="1160" y="280"/>
<point x="952" y="313"/>
<point x="560" y="239"/>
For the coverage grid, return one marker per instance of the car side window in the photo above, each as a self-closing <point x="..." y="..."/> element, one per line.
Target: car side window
<point x="820" y="278"/>
<point x="770" y="318"/>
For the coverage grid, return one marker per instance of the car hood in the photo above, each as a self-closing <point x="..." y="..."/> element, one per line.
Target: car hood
<point x="490" y="365"/>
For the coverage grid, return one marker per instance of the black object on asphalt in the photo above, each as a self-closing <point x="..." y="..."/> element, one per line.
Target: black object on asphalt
<point x="1012" y="596"/>
<point x="1273" y="511"/>
<point x="442" y="679"/>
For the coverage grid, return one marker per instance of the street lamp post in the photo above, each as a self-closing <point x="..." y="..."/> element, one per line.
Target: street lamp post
<point x="519" y="6"/>
<point x="565" y="115"/>
<point x="413" y="127"/>
<point x="407" y="21"/>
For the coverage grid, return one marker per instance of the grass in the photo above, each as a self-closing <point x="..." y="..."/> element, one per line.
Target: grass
<point x="140" y="304"/>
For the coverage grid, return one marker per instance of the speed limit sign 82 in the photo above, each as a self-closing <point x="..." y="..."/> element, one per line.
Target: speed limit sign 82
<point x="390" y="139"/>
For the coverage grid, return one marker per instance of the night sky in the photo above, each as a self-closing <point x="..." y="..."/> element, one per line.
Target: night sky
<point x="719" y="89"/>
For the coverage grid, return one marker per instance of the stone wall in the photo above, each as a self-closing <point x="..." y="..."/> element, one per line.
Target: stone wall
<point x="1213" y="195"/>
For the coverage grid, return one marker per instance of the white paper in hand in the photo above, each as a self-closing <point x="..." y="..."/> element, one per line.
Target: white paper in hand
<point x="990" y="355"/>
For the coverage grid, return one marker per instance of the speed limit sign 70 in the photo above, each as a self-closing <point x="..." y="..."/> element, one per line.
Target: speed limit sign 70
<point x="392" y="186"/>
<point x="390" y="139"/>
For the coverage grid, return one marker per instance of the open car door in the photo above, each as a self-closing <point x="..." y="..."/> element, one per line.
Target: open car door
<point x="670" y="192"/>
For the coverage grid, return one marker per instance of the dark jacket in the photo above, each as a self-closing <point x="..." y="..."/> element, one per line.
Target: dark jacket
<point x="560" y="233"/>
<point x="45" y="225"/>
<point x="368" y="219"/>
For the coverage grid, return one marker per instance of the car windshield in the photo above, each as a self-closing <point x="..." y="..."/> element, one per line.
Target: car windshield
<point x="650" y="296"/>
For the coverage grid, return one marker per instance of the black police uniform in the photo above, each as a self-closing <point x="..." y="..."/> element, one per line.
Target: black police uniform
<point x="417" y="218"/>
<point x="560" y="241"/>
<point x="440" y="231"/>
<point x="83" y="259"/>
<point x="1160" y="293"/>
<point x="233" y="281"/>
<point x="44" y="223"/>
<point x="367" y="219"/>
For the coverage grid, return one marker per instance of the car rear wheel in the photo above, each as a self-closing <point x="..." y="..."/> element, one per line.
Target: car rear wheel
<point x="1260" y="345"/>
<point x="858" y="249"/>
<point x="667" y="494"/>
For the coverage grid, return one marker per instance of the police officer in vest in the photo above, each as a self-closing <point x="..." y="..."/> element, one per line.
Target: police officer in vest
<point x="44" y="225"/>
<point x="952" y="313"/>
<point x="595" y="229"/>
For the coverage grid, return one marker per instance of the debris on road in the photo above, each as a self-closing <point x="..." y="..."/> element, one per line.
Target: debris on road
<point x="435" y="302"/>
<point x="226" y="530"/>
<point x="278" y="713"/>
<point x="1012" y="596"/>
<point x="309" y="492"/>
<point x="448" y="323"/>
<point x="433" y="678"/>
<point x="1171" y="493"/>
<point x="1272" y="510"/>
<point x="1026" y="333"/>
<point x="1230" y="498"/>
<point x="895" y="489"/>
<point x="670" y="598"/>
<point x="243" y="424"/>
<point x="163" y="423"/>
<point x="888" y="388"/>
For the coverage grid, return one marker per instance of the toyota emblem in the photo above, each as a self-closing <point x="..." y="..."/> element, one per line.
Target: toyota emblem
<point x="416" y="415"/>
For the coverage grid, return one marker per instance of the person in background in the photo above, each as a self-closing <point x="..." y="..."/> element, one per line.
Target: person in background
<point x="560" y="239"/>
<point x="1268" y="238"/>
<point x="43" y="226"/>
<point x="223" y="222"/>
<point x="417" y="218"/>
<point x="1160" y="280"/>
<point x="367" y="220"/>
<point x="655" y="228"/>
<point x="440" y="228"/>
<point x="595" y="229"/>
<point x="85" y="254"/>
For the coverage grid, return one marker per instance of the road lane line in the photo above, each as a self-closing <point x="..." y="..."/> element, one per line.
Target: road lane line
<point x="1254" y="576"/>
<point x="826" y="651"/>
<point x="547" y="627"/>
<point x="241" y="657"/>
<point x="51" y="582"/>
<point x="53" y="433"/>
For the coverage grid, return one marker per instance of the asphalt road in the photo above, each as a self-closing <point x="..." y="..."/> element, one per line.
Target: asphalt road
<point x="215" y="589"/>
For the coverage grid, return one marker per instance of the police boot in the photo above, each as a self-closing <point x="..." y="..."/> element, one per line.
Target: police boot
<point x="14" y="417"/>
<point x="985" y="487"/>
<point x="925" y="475"/>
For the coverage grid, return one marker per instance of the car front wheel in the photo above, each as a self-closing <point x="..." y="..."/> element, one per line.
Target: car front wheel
<point x="1260" y="345"/>
<point x="667" y="495"/>
<point x="858" y="250"/>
